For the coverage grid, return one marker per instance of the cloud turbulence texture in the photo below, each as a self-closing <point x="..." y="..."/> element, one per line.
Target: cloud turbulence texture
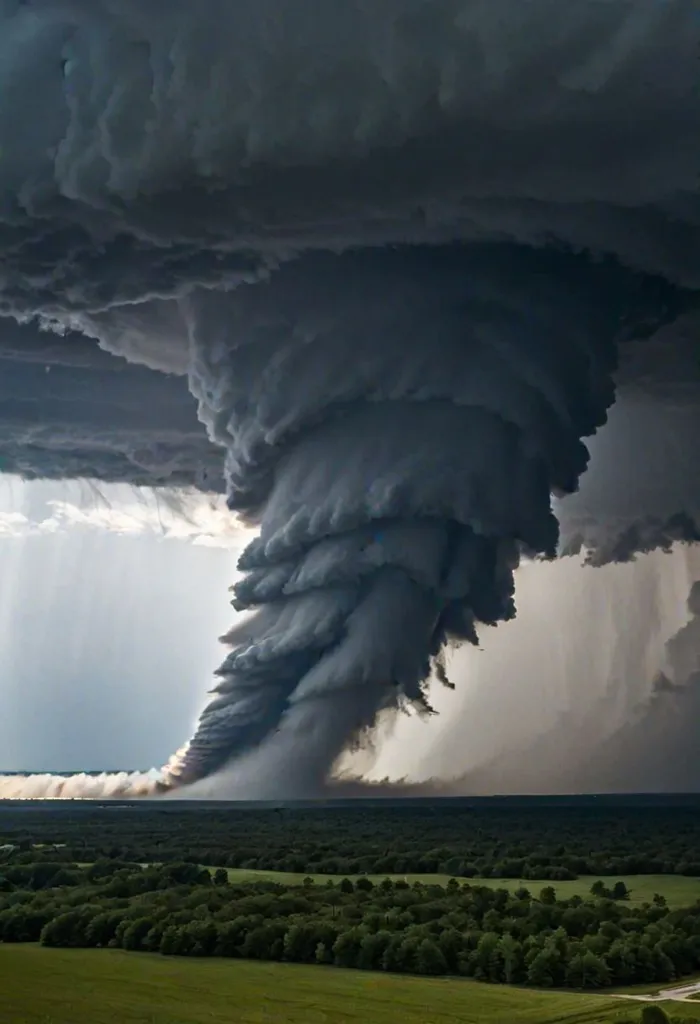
<point x="396" y="252"/>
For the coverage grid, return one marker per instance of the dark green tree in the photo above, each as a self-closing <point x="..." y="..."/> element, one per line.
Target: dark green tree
<point x="586" y="970"/>
<point x="429" y="958"/>
<point x="654" y="1015"/>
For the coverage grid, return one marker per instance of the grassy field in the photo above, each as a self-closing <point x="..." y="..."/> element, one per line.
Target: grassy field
<point x="52" y="986"/>
<point x="678" y="890"/>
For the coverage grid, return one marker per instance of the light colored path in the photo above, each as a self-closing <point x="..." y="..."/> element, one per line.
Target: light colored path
<point x="677" y="995"/>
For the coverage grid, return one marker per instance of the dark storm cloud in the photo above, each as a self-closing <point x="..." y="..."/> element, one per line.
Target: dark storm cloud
<point x="642" y="489"/>
<point x="166" y="146"/>
<point x="69" y="409"/>
<point x="185" y="173"/>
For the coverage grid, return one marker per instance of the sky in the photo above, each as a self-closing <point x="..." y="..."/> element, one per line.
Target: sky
<point x="578" y="663"/>
<point x="108" y="625"/>
<point x="110" y="605"/>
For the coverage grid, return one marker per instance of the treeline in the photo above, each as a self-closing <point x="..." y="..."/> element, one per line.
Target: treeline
<point x="531" y="843"/>
<point x="491" y="935"/>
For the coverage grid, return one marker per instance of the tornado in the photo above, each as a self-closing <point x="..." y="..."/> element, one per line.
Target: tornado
<point x="396" y="256"/>
<point x="395" y="428"/>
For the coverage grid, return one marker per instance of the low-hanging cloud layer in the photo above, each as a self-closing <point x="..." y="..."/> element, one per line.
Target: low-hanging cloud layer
<point x="69" y="410"/>
<point x="398" y="253"/>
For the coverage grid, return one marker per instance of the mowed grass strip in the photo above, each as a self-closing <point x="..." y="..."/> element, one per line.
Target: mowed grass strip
<point x="678" y="890"/>
<point x="60" y="986"/>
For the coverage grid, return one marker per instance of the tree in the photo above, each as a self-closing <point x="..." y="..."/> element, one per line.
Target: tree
<point x="548" y="895"/>
<point x="170" y="941"/>
<point x="664" y="966"/>
<point x="200" y="938"/>
<point x="231" y="935"/>
<point x="400" y="951"/>
<point x="599" y="889"/>
<point x="133" y="936"/>
<point x="152" y="940"/>
<point x="43" y="874"/>
<point x="453" y="866"/>
<point x="265" y="942"/>
<point x="430" y="959"/>
<point x="372" y="949"/>
<point x="22" y="924"/>
<point x="102" y="928"/>
<point x="622" y="960"/>
<point x="65" y="878"/>
<point x="324" y="955"/>
<point x="546" y="967"/>
<point x="346" y="886"/>
<point x="510" y="953"/>
<point x="586" y="970"/>
<point x="333" y="898"/>
<point x="346" y="947"/>
<point x="220" y="876"/>
<point x="485" y="962"/>
<point x="301" y="941"/>
<point x="406" y="953"/>
<point x="579" y="920"/>
<point x="654" y="1015"/>
<point x="620" y="891"/>
<point x="451" y="943"/>
<point x="66" y="930"/>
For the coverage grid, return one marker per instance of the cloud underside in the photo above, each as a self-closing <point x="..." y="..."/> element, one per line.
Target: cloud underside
<point x="185" y="148"/>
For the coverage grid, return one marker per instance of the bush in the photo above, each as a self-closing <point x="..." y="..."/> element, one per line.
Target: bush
<point x="654" y="1015"/>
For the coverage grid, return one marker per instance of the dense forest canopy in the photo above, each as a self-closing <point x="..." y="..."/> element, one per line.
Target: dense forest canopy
<point x="493" y="840"/>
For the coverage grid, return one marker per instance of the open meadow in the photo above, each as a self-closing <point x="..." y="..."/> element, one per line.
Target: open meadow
<point x="678" y="890"/>
<point x="62" y="986"/>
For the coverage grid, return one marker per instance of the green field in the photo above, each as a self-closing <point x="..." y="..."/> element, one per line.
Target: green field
<point x="59" y="986"/>
<point x="678" y="890"/>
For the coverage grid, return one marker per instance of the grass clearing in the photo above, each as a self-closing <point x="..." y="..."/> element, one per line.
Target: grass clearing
<point x="678" y="890"/>
<point x="61" y="986"/>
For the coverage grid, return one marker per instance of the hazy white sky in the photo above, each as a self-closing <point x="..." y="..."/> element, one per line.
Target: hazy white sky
<point x="583" y="639"/>
<point x="109" y="616"/>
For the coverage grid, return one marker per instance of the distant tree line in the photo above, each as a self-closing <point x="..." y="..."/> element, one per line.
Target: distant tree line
<point x="524" y="938"/>
<point x="530" y="843"/>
